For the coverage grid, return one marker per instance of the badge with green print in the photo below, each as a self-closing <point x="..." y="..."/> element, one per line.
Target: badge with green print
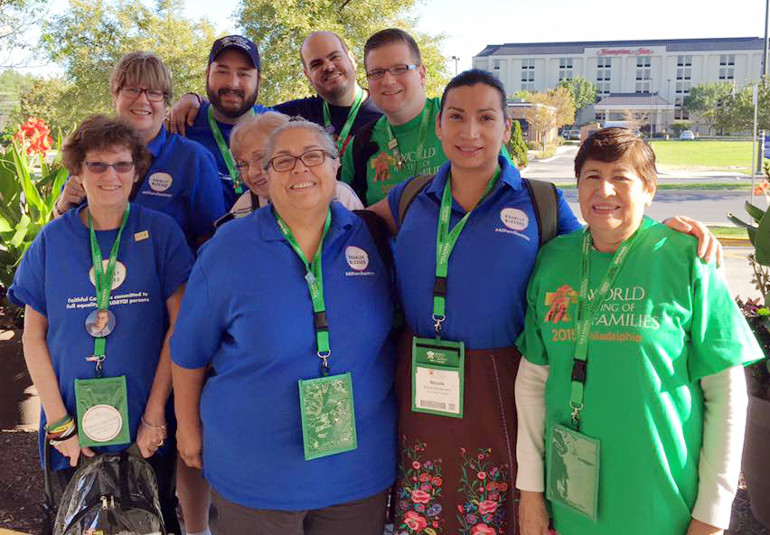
<point x="328" y="415"/>
<point x="102" y="409"/>
<point x="573" y="471"/>
<point x="438" y="376"/>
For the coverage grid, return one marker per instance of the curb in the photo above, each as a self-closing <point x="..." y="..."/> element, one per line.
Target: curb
<point x="726" y="242"/>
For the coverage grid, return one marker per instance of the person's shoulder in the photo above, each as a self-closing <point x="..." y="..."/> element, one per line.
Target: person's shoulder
<point x="659" y="236"/>
<point x="153" y="219"/>
<point x="562" y="244"/>
<point x="297" y="106"/>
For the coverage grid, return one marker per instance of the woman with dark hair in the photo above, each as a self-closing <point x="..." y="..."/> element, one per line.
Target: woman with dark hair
<point x="464" y="251"/>
<point x="102" y="390"/>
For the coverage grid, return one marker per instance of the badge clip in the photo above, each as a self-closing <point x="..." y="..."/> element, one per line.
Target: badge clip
<point x="325" y="368"/>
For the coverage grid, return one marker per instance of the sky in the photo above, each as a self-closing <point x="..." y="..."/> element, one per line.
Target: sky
<point x="497" y="21"/>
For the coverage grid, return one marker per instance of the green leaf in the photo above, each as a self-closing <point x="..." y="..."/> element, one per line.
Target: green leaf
<point x="5" y="226"/>
<point x="761" y="241"/>
<point x="21" y="232"/>
<point x="755" y="212"/>
<point x="736" y="221"/>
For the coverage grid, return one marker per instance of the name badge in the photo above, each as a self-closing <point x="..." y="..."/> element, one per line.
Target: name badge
<point x="573" y="471"/>
<point x="328" y="416"/>
<point x="438" y="376"/>
<point x="102" y="409"/>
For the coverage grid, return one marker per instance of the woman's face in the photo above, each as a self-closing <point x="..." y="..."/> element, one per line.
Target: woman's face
<point x="472" y="127"/>
<point x="102" y="318"/>
<point x="140" y="105"/>
<point x="110" y="188"/>
<point x="301" y="188"/>
<point x="249" y="153"/>
<point x="612" y="198"/>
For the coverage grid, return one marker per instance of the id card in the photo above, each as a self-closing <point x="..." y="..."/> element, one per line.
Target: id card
<point x="438" y="376"/>
<point x="102" y="409"/>
<point x="328" y="416"/>
<point x="573" y="471"/>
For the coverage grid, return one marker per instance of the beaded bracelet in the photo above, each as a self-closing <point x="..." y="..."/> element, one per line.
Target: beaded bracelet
<point x="60" y="425"/>
<point x="161" y="427"/>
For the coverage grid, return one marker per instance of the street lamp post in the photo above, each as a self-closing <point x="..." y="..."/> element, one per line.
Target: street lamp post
<point x="456" y="59"/>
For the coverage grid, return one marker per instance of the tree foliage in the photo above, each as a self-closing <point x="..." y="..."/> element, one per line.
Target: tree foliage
<point x="583" y="91"/>
<point x="517" y="147"/>
<point x="553" y="109"/>
<point x="705" y="99"/>
<point x="279" y="27"/>
<point x="17" y="18"/>
<point x="90" y="37"/>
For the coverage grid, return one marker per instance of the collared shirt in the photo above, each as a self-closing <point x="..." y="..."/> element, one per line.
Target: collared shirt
<point x="255" y="328"/>
<point x="489" y="268"/>
<point x="201" y="132"/>
<point x="312" y="109"/>
<point x="183" y="182"/>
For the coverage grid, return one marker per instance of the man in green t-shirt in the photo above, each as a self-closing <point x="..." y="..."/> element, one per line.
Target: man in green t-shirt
<point x="403" y="143"/>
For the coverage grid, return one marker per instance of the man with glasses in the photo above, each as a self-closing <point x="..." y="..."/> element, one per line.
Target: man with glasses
<point x="403" y="143"/>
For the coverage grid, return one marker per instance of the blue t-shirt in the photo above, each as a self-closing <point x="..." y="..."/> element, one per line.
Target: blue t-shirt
<point x="183" y="182"/>
<point x="490" y="265"/>
<point x="201" y="132"/>
<point x="53" y="279"/>
<point x="248" y="314"/>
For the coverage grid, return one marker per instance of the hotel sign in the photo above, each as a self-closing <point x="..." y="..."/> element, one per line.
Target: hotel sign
<point x="624" y="52"/>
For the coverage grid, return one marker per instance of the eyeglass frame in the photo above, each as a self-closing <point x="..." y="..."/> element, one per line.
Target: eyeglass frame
<point x="115" y="165"/>
<point x="325" y="153"/>
<point x="379" y="74"/>
<point x="164" y="94"/>
<point x="243" y="165"/>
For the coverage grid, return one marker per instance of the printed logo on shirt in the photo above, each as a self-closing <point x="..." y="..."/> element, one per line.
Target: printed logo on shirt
<point x="514" y="219"/>
<point x="560" y="302"/>
<point x="358" y="260"/>
<point x="117" y="278"/>
<point x="160" y="181"/>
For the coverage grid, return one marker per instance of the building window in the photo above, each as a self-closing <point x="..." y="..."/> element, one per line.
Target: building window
<point x="643" y="74"/>
<point x="565" y="69"/>
<point x="683" y="85"/>
<point x="684" y="67"/>
<point x="727" y="67"/>
<point x="603" y="76"/>
<point x="528" y="74"/>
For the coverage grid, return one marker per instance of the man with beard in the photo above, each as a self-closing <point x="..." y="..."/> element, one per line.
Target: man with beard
<point x="232" y="86"/>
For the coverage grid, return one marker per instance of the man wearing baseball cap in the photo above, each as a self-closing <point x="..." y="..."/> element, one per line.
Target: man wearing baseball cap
<point x="232" y="87"/>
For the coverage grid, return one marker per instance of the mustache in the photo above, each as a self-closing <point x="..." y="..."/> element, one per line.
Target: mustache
<point x="225" y="91"/>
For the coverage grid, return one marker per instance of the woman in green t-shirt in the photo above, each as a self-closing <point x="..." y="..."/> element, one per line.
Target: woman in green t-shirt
<point x="631" y="398"/>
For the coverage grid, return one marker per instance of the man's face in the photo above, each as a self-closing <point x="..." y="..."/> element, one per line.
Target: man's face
<point x="329" y="68"/>
<point x="401" y="97"/>
<point x="232" y="83"/>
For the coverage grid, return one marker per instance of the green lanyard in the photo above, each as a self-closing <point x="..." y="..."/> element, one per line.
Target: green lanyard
<point x="103" y="280"/>
<point x="342" y="140"/>
<point x="445" y="243"/>
<point x="228" y="158"/>
<point x="586" y="312"/>
<point x="315" y="285"/>
<point x="421" y="137"/>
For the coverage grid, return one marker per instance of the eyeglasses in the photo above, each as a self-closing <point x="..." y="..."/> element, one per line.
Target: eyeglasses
<point x="153" y="95"/>
<point x="256" y="161"/>
<point x="311" y="158"/>
<point x="101" y="167"/>
<point x="395" y="70"/>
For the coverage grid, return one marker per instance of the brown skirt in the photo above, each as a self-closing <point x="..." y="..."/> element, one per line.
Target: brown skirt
<point x="456" y="476"/>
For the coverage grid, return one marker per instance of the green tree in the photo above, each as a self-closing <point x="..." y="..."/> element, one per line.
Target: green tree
<point x="90" y="37"/>
<point x="583" y="91"/>
<point x="517" y="147"/>
<point x="279" y="27"/>
<point x="17" y="18"/>
<point x="41" y="101"/>
<point x="705" y="99"/>
<point x="550" y="110"/>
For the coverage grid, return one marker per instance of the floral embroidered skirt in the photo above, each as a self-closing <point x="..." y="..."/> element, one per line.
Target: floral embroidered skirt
<point x="456" y="476"/>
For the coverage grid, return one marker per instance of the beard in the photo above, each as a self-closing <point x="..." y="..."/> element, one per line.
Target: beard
<point x="216" y="101"/>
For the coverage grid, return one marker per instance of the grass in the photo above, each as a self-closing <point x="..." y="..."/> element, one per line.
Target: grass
<point x="729" y="232"/>
<point x="703" y="155"/>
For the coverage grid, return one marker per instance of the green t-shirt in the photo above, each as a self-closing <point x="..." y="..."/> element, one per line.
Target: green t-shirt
<point x="382" y="165"/>
<point x="668" y="321"/>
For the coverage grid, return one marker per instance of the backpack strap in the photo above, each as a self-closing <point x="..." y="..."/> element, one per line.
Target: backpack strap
<point x="363" y="148"/>
<point x="411" y="190"/>
<point x="545" y="203"/>
<point x="380" y="233"/>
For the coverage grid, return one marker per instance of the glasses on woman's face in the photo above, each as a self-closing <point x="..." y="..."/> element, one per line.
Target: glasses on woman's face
<point x="257" y="161"/>
<point x="100" y="167"/>
<point x="310" y="158"/>
<point x="153" y="95"/>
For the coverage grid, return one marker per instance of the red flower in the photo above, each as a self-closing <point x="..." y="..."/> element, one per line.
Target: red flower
<point x="482" y="529"/>
<point x="487" y="507"/>
<point x="420" y="496"/>
<point x="491" y="486"/>
<point x="34" y="135"/>
<point x="415" y="465"/>
<point x="416" y="521"/>
<point x="437" y="481"/>
<point x="503" y="487"/>
<point x="424" y="477"/>
<point x="481" y="475"/>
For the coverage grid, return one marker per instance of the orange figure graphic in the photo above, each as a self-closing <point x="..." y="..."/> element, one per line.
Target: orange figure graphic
<point x="560" y="301"/>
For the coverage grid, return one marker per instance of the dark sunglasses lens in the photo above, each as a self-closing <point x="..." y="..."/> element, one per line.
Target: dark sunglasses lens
<point x="97" y="167"/>
<point x="123" y="167"/>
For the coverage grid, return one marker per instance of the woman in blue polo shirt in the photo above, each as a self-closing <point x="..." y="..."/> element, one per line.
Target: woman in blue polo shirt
<point x="101" y="287"/>
<point x="289" y="309"/>
<point x="182" y="180"/>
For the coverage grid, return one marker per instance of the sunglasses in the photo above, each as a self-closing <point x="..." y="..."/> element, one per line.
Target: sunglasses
<point x="101" y="167"/>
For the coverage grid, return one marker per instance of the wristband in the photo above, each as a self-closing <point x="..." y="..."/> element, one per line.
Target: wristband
<point x="161" y="427"/>
<point x="54" y="427"/>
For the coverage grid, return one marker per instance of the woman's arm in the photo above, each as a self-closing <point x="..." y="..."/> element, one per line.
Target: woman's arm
<point x="152" y="430"/>
<point x="382" y="209"/>
<point x="188" y="384"/>
<point x="530" y="447"/>
<point x="724" y="423"/>
<point x="38" y="360"/>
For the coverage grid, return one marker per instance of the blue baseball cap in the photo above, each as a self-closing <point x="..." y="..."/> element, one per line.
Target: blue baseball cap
<point x="238" y="42"/>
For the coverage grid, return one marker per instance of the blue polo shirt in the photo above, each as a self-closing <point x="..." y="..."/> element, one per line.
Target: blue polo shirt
<point x="53" y="278"/>
<point x="247" y="313"/>
<point x="201" y="132"/>
<point x="183" y="182"/>
<point x="489" y="268"/>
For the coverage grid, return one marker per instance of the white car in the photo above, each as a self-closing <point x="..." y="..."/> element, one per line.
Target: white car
<point x="687" y="135"/>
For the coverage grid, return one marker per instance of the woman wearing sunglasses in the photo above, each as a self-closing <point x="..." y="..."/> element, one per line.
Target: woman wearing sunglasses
<point x="182" y="180"/>
<point x="101" y="287"/>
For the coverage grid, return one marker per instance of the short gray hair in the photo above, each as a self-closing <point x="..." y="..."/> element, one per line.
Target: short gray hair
<point x="267" y="122"/>
<point x="325" y="140"/>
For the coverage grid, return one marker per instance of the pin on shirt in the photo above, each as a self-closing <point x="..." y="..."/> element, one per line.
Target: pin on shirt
<point x="141" y="236"/>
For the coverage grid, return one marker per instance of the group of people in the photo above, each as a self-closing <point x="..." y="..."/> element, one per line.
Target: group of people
<point x="206" y="290"/>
